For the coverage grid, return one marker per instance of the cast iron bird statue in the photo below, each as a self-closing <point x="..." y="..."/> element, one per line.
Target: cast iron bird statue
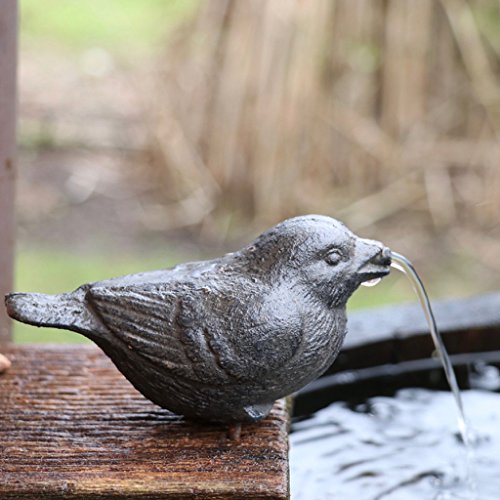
<point x="221" y="340"/>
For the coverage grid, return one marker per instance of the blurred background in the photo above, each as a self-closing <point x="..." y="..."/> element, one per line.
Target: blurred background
<point x="160" y="131"/>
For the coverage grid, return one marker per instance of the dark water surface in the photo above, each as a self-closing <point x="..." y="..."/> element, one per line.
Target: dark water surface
<point x="401" y="448"/>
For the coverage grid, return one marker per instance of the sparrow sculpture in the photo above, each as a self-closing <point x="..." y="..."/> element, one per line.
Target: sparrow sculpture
<point x="221" y="340"/>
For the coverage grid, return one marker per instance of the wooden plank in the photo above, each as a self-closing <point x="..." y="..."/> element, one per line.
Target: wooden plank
<point x="73" y="427"/>
<point x="8" y="59"/>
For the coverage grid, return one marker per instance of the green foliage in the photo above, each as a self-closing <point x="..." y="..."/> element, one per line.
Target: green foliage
<point x="53" y="271"/>
<point x="116" y="25"/>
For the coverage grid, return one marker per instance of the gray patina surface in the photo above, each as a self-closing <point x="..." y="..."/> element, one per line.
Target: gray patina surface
<point x="221" y="340"/>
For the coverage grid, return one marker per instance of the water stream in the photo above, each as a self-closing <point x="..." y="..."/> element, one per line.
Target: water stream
<point x="401" y="263"/>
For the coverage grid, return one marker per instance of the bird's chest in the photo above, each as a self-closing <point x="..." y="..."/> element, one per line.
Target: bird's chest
<point x="323" y="335"/>
<point x="323" y="330"/>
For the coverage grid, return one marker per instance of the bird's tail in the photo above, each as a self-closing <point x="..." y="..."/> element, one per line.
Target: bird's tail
<point x="67" y="310"/>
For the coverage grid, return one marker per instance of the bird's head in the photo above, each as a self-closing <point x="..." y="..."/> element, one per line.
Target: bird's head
<point x="322" y="254"/>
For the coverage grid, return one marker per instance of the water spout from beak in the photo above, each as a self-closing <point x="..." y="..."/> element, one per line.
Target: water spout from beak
<point x="376" y="262"/>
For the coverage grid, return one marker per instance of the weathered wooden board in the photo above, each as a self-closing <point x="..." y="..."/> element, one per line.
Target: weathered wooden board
<point x="72" y="427"/>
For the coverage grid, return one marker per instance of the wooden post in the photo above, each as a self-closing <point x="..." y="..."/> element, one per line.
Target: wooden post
<point x="8" y="67"/>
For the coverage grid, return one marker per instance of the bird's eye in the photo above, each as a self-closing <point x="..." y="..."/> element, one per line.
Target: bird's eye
<point x="333" y="258"/>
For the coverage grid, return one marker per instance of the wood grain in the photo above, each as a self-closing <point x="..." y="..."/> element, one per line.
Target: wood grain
<point x="73" y="427"/>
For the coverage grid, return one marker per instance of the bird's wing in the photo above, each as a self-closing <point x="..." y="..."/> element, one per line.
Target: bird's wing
<point x="158" y="324"/>
<point x="195" y="336"/>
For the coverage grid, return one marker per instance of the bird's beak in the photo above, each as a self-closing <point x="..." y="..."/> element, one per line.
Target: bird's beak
<point x="374" y="259"/>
